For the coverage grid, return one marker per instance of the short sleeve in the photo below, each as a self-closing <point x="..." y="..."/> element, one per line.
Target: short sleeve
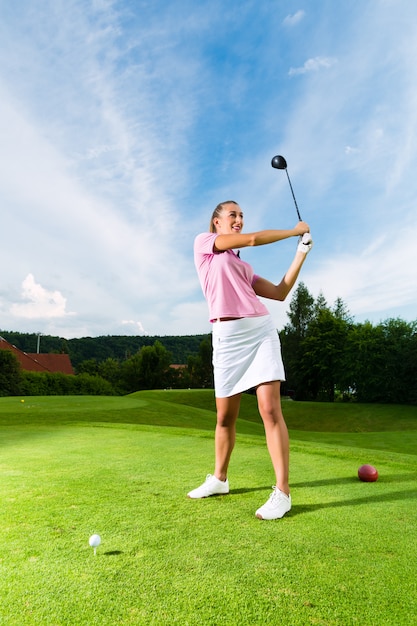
<point x="204" y="243"/>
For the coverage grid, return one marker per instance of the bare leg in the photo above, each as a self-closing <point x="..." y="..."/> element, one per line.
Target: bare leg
<point x="227" y="413"/>
<point x="269" y="404"/>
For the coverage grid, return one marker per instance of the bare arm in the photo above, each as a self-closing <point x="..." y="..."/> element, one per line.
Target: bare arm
<point x="266" y="289"/>
<point x="260" y="238"/>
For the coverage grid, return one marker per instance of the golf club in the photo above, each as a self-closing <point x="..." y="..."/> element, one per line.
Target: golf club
<point x="279" y="163"/>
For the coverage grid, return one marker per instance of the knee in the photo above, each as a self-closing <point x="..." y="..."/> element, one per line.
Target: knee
<point x="270" y="414"/>
<point x="224" y="420"/>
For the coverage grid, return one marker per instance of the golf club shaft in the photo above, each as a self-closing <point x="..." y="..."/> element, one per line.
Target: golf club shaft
<point x="295" y="201"/>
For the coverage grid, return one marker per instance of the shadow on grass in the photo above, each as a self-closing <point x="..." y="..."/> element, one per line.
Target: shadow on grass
<point x="113" y="552"/>
<point x="237" y="492"/>
<point x="347" y="480"/>
<point x="298" y="509"/>
<point x="332" y="482"/>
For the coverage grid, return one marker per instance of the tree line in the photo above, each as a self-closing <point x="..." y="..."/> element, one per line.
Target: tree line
<point x="119" y="347"/>
<point x="151" y="367"/>
<point x="327" y="357"/>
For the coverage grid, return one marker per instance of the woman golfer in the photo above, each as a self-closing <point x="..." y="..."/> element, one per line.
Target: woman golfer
<point x="246" y="347"/>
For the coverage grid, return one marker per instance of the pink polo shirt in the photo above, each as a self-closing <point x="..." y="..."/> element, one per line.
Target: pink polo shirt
<point x="226" y="281"/>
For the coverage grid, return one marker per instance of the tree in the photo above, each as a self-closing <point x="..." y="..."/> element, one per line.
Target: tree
<point x="131" y="374"/>
<point x="366" y="354"/>
<point x="323" y="362"/>
<point x="147" y="369"/>
<point x="301" y="311"/>
<point x="89" y="366"/>
<point x="320" y="305"/>
<point x="384" y="359"/>
<point x="10" y="374"/>
<point x="314" y="347"/>
<point x="110" y="370"/>
<point x="400" y="372"/>
<point x="154" y="366"/>
<point x="341" y="311"/>
<point x="200" y="367"/>
<point x="300" y="314"/>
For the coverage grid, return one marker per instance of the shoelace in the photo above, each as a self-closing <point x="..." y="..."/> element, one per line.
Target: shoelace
<point x="276" y="494"/>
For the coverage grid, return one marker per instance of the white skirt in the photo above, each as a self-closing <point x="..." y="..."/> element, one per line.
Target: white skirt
<point x="246" y="353"/>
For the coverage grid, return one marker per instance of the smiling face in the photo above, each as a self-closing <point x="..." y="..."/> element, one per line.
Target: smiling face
<point x="228" y="219"/>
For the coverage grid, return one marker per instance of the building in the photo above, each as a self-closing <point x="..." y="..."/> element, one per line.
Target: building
<point x="52" y="363"/>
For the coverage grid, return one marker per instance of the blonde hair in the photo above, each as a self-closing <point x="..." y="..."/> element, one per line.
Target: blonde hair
<point x="216" y="213"/>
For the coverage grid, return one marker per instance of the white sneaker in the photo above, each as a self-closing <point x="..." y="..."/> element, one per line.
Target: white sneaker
<point x="211" y="487"/>
<point x="278" y="504"/>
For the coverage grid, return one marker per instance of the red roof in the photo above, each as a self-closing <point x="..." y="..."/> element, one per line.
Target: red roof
<point x="39" y="362"/>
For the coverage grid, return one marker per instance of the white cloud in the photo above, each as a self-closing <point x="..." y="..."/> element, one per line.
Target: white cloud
<point x="39" y="302"/>
<point x="313" y="65"/>
<point x="134" y="327"/>
<point x="382" y="276"/>
<point x="351" y="150"/>
<point x="295" y="18"/>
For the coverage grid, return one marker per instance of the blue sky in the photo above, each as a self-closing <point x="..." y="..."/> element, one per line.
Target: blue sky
<point x="124" y="123"/>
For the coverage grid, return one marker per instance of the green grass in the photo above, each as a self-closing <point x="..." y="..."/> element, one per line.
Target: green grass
<point x="71" y="467"/>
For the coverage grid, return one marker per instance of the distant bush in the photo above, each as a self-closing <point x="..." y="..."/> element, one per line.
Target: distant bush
<point x="58" y="384"/>
<point x="92" y="385"/>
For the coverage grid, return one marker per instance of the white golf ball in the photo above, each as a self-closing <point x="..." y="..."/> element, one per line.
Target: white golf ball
<point x="94" y="541"/>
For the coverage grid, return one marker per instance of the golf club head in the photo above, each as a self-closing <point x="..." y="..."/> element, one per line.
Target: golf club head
<point x="279" y="162"/>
